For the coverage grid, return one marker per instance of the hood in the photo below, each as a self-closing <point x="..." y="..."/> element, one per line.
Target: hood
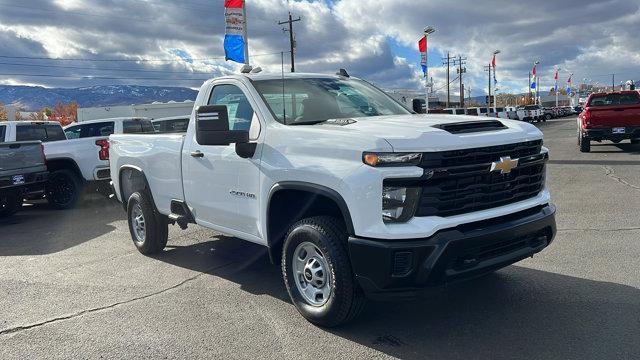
<point x="422" y="132"/>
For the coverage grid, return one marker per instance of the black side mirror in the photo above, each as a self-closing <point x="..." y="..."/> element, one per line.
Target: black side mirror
<point x="418" y="106"/>
<point x="212" y="127"/>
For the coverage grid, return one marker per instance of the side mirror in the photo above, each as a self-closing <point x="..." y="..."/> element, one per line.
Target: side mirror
<point x="418" y="106"/>
<point x="212" y="127"/>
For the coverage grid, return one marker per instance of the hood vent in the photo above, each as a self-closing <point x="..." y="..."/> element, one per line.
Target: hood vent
<point x="471" y="126"/>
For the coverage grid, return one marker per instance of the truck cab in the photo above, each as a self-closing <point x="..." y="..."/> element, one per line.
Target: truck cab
<point x="352" y="194"/>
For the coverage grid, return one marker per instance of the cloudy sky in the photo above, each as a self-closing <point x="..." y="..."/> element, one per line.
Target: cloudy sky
<point x="373" y="39"/>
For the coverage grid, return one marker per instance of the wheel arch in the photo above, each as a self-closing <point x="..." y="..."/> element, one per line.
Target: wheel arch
<point x="136" y="181"/>
<point x="309" y="195"/>
<point x="64" y="164"/>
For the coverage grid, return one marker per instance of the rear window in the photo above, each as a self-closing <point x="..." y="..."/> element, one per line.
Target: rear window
<point x="89" y="130"/>
<point x="500" y="109"/>
<point x="40" y="132"/>
<point x="459" y="111"/>
<point x="3" y="132"/>
<point x="172" y="126"/>
<point x="614" y="99"/>
<point x="531" y="107"/>
<point x="483" y="110"/>
<point x="138" y="126"/>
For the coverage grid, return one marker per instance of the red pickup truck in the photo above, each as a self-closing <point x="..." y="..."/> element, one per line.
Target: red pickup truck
<point x="611" y="116"/>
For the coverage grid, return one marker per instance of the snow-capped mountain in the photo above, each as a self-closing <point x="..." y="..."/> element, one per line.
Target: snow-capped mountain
<point x="33" y="98"/>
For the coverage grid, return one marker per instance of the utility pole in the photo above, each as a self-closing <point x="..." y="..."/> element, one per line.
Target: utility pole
<point x="488" y="68"/>
<point x="447" y="61"/>
<point x="292" y="40"/>
<point x="461" y="62"/>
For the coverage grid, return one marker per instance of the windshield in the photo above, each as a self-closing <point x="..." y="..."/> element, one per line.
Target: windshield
<point x="312" y="100"/>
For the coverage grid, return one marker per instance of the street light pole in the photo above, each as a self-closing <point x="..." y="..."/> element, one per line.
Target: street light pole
<point x="495" y="98"/>
<point x="428" y="30"/>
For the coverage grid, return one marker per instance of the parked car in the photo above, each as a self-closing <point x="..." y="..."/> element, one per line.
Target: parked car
<point x="23" y="172"/>
<point x="613" y="116"/>
<point x="348" y="190"/>
<point x="175" y="124"/>
<point x="530" y="113"/>
<point x="548" y="114"/>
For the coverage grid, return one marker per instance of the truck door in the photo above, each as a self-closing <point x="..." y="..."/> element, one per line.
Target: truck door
<point x="220" y="186"/>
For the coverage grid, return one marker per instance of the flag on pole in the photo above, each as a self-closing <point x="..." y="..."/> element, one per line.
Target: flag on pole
<point x="533" y="84"/>
<point x="569" y="84"/>
<point x="534" y="70"/>
<point x="234" y="41"/>
<point x="493" y="64"/>
<point x="422" y="46"/>
<point x="556" y="78"/>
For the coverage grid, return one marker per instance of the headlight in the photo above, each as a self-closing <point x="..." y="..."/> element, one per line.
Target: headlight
<point x="391" y="159"/>
<point x="399" y="203"/>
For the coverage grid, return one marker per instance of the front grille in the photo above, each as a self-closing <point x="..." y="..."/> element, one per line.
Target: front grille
<point x="460" y="181"/>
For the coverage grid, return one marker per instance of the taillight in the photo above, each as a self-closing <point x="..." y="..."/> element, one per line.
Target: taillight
<point x="103" y="154"/>
<point x="586" y="118"/>
<point x="44" y="157"/>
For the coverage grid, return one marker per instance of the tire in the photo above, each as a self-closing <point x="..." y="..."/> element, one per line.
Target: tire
<point x="63" y="189"/>
<point x="10" y="204"/>
<point x="326" y="238"/>
<point x="584" y="144"/>
<point x="547" y="117"/>
<point x="149" y="229"/>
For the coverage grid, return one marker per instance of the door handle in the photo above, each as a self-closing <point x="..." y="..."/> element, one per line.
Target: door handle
<point x="197" y="154"/>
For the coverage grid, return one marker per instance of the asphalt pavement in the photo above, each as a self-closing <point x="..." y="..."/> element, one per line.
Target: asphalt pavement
<point x="72" y="285"/>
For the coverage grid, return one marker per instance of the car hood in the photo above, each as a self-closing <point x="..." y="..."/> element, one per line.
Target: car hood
<point x="419" y="132"/>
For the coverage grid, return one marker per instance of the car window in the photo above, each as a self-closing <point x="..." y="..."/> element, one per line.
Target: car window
<point x="138" y="126"/>
<point x="614" y="99"/>
<point x="73" y="132"/>
<point x="90" y="130"/>
<point x="172" y="126"/>
<point x="3" y="132"/>
<point x="40" y="132"/>
<point x="238" y="106"/>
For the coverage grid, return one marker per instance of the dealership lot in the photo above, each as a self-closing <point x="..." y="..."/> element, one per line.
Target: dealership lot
<point x="74" y="286"/>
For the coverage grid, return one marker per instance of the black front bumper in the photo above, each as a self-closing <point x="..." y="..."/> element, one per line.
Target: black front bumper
<point x="404" y="268"/>
<point x="607" y="134"/>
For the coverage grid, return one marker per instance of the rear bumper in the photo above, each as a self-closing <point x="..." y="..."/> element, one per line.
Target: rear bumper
<point x="607" y="133"/>
<point x="392" y="269"/>
<point x="31" y="181"/>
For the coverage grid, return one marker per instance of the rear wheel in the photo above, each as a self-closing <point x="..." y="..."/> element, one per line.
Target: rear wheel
<point x="547" y="117"/>
<point x="10" y="203"/>
<point x="149" y="229"/>
<point x="63" y="189"/>
<point x="584" y="143"/>
<point x="317" y="272"/>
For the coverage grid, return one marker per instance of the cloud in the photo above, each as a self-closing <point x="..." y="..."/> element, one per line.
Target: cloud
<point x="589" y="38"/>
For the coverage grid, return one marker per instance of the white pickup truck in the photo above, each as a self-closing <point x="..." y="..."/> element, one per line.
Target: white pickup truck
<point x="352" y="194"/>
<point x="77" y="156"/>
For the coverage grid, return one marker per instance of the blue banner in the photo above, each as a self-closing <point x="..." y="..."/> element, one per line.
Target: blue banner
<point x="234" y="48"/>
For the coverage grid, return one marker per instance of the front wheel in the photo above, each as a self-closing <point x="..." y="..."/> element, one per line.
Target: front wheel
<point x="317" y="272"/>
<point x="149" y="229"/>
<point x="10" y="203"/>
<point x="547" y="117"/>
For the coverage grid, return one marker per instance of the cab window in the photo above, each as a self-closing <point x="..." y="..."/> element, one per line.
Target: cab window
<point x="241" y="115"/>
<point x="89" y="130"/>
<point x="40" y="132"/>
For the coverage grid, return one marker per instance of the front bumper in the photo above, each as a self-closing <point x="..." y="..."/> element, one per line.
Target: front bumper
<point x="607" y="133"/>
<point x="404" y="268"/>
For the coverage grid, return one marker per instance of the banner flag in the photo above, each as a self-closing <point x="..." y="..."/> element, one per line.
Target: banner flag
<point x="422" y="46"/>
<point x="234" y="41"/>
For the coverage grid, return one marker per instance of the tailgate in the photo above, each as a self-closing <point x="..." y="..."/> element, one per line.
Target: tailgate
<point x="615" y="116"/>
<point x="20" y="156"/>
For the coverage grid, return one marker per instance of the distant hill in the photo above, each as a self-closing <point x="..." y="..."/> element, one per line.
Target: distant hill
<point x="33" y="98"/>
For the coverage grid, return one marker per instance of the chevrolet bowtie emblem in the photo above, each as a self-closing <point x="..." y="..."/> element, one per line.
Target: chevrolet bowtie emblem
<point x="505" y="165"/>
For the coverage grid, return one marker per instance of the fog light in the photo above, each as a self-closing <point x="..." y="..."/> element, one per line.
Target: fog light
<point x="399" y="203"/>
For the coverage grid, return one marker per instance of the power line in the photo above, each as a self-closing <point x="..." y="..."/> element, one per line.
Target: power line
<point x="126" y="60"/>
<point x="104" y="69"/>
<point x="106" y="77"/>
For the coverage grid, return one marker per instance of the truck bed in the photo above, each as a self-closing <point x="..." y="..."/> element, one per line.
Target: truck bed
<point x="160" y="155"/>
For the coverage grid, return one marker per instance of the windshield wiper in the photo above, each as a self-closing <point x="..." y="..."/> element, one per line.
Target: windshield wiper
<point x="308" y="122"/>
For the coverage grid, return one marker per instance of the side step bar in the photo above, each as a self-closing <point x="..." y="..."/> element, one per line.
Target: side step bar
<point x="181" y="214"/>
